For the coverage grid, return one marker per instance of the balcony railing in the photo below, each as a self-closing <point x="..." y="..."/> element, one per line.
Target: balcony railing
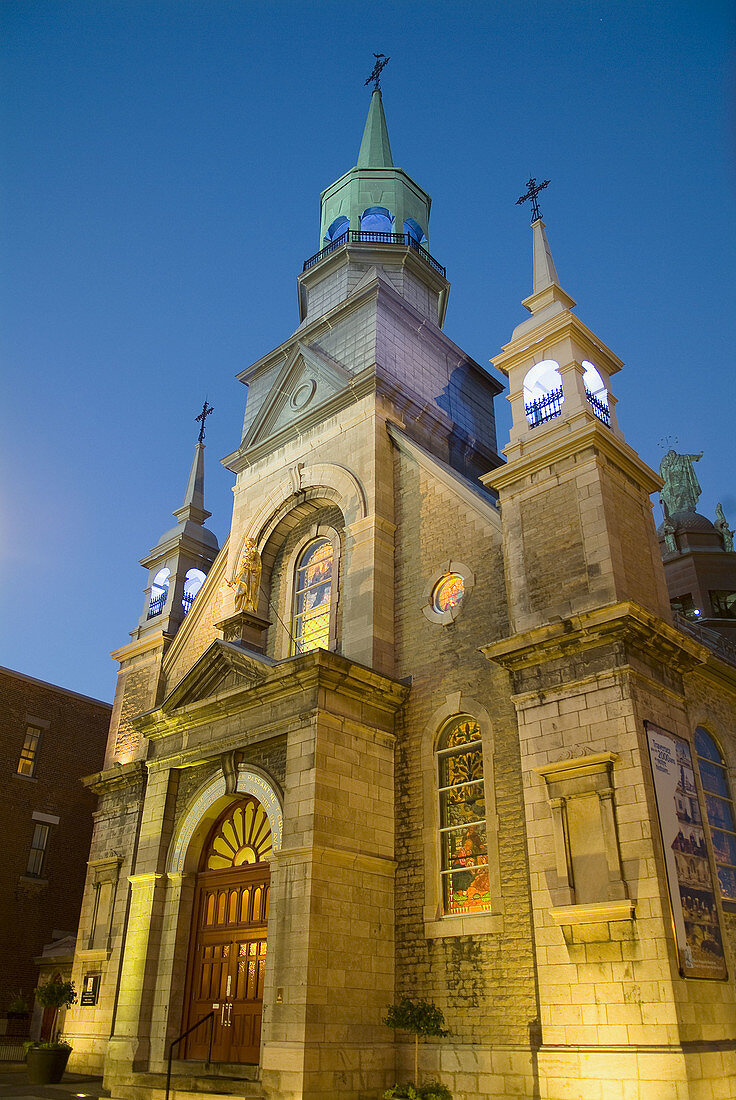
<point x="600" y="408"/>
<point x="351" y="235"/>
<point x="544" y="408"/>
<point x="156" y="605"/>
<point x="715" y="642"/>
<point x="187" y="600"/>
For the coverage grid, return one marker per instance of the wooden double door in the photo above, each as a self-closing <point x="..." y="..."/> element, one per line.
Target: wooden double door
<point x="227" y="948"/>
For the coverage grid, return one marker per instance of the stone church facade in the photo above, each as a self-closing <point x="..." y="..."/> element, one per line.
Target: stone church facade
<point x="422" y="763"/>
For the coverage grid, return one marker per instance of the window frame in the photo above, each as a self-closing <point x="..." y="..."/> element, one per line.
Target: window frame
<point x="33" y="871"/>
<point x="728" y="902"/>
<point x="317" y="531"/>
<point x="438" y="924"/>
<point x="33" y="758"/>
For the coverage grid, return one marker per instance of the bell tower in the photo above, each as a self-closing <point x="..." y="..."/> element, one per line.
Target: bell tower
<point x="593" y="660"/>
<point x="578" y="524"/>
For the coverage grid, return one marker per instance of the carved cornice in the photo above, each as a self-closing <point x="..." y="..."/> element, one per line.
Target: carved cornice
<point x="620" y="622"/>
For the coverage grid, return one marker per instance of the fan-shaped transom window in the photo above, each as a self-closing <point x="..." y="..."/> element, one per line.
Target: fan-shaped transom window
<point x="462" y="814"/>
<point x="242" y="836"/>
<point x="313" y="596"/>
<point x="719" y="810"/>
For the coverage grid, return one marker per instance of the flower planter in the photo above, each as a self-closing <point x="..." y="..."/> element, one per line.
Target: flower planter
<point x="46" y="1065"/>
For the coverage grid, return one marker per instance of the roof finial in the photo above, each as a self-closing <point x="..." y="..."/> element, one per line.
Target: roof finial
<point x="533" y="190"/>
<point x="206" y="410"/>
<point x="375" y="77"/>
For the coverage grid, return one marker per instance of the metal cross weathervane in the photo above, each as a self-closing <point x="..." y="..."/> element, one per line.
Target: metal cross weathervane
<point x="533" y="189"/>
<point x="206" y="410"/>
<point x="381" y="63"/>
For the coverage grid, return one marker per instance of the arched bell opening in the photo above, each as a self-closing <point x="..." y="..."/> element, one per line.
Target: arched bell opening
<point x="376" y="219"/>
<point x="227" y="943"/>
<point x="543" y="396"/>
<point x="415" y="233"/>
<point x="336" y="230"/>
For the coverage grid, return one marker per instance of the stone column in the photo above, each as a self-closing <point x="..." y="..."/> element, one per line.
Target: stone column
<point x="167" y="1017"/>
<point x="130" y="1044"/>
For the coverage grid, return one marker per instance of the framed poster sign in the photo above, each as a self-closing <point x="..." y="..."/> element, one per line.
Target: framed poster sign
<point x="90" y="989"/>
<point x="689" y="875"/>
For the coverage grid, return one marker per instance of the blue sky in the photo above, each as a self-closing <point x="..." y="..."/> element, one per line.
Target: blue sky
<point x="160" y="190"/>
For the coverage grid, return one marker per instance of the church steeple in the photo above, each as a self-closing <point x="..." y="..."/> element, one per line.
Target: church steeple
<point x="375" y="148"/>
<point x="179" y="562"/>
<point x="375" y="195"/>
<point x="557" y="368"/>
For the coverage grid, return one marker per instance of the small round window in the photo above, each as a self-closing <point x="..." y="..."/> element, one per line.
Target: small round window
<point x="448" y="592"/>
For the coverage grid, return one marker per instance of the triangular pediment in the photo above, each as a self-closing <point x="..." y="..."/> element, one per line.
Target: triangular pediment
<point x="223" y="667"/>
<point x="307" y="380"/>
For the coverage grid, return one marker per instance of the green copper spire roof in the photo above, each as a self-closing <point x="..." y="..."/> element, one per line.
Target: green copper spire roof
<point x="375" y="184"/>
<point x="375" y="148"/>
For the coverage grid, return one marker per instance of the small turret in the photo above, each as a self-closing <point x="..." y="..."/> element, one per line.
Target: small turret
<point x="179" y="562"/>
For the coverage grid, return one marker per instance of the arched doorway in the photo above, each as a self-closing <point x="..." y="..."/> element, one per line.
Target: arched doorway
<point x="227" y="947"/>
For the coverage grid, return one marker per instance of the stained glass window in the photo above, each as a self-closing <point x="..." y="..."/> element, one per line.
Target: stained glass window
<point x="242" y="836"/>
<point x="719" y="810"/>
<point x="448" y="592"/>
<point x="313" y="597"/>
<point x="463" y="832"/>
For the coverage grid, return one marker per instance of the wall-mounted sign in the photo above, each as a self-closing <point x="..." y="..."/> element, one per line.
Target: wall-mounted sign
<point x="90" y="989"/>
<point x="689" y="875"/>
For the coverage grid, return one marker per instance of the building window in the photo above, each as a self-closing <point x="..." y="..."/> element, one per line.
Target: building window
<point x="27" y="762"/>
<point x="193" y="581"/>
<point x="719" y="810"/>
<point x="37" y="854"/>
<point x="313" y="596"/>
<point x="448" y="592"/>
<point x="462" y="816"/>
<point x="723" y="604"/>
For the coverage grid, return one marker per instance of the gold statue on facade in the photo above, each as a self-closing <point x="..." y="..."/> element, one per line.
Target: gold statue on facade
<point x="247" y="578"/>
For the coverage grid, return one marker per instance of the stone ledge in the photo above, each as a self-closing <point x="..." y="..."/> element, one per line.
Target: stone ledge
<point x="600" y="912"/>
<point x="477" y="924"/>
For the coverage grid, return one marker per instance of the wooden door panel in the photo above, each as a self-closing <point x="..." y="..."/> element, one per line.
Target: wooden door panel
<point x="227" y="964"/>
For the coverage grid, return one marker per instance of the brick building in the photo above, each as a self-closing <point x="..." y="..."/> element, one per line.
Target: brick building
<point x="408" y="741"/>
<point x="51" y="738"/>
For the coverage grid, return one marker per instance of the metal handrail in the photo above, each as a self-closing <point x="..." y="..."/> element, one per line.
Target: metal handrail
<point x="175" y="1042"/>
<point x="376" y="237"/>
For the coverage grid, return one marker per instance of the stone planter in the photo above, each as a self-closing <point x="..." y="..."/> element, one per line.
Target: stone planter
<point x="46" y="1065"/>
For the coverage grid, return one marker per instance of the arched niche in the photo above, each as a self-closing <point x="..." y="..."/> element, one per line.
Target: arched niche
<point x="209" y="803"/>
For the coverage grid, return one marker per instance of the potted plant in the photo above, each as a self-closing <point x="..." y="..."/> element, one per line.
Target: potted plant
<point x="46" y="1061"/>
<point x="18" y="1014"/>
<point x="419" y="1018"/>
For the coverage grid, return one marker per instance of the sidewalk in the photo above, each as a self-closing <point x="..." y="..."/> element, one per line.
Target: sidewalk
<point x="14" y="1083"/>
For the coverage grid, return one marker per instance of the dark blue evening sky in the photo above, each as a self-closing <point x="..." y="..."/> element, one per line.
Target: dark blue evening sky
<point x="160" y="190"/>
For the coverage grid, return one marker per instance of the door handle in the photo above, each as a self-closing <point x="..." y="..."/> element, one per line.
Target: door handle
<point x="222" y="1015"/>
<point x="229" y="1014"/>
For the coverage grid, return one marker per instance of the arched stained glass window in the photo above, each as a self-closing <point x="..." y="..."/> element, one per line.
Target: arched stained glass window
<point x="313" y="596"/>
<point x="463" y="831"/>
<point x="719" y="810"/>
<point x="242" y="836"/>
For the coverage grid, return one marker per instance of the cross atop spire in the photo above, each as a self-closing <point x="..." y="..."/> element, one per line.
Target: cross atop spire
<point x="206" y="410"/>
<point x="533" y="189"/>
<point x="375" y="77"/>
